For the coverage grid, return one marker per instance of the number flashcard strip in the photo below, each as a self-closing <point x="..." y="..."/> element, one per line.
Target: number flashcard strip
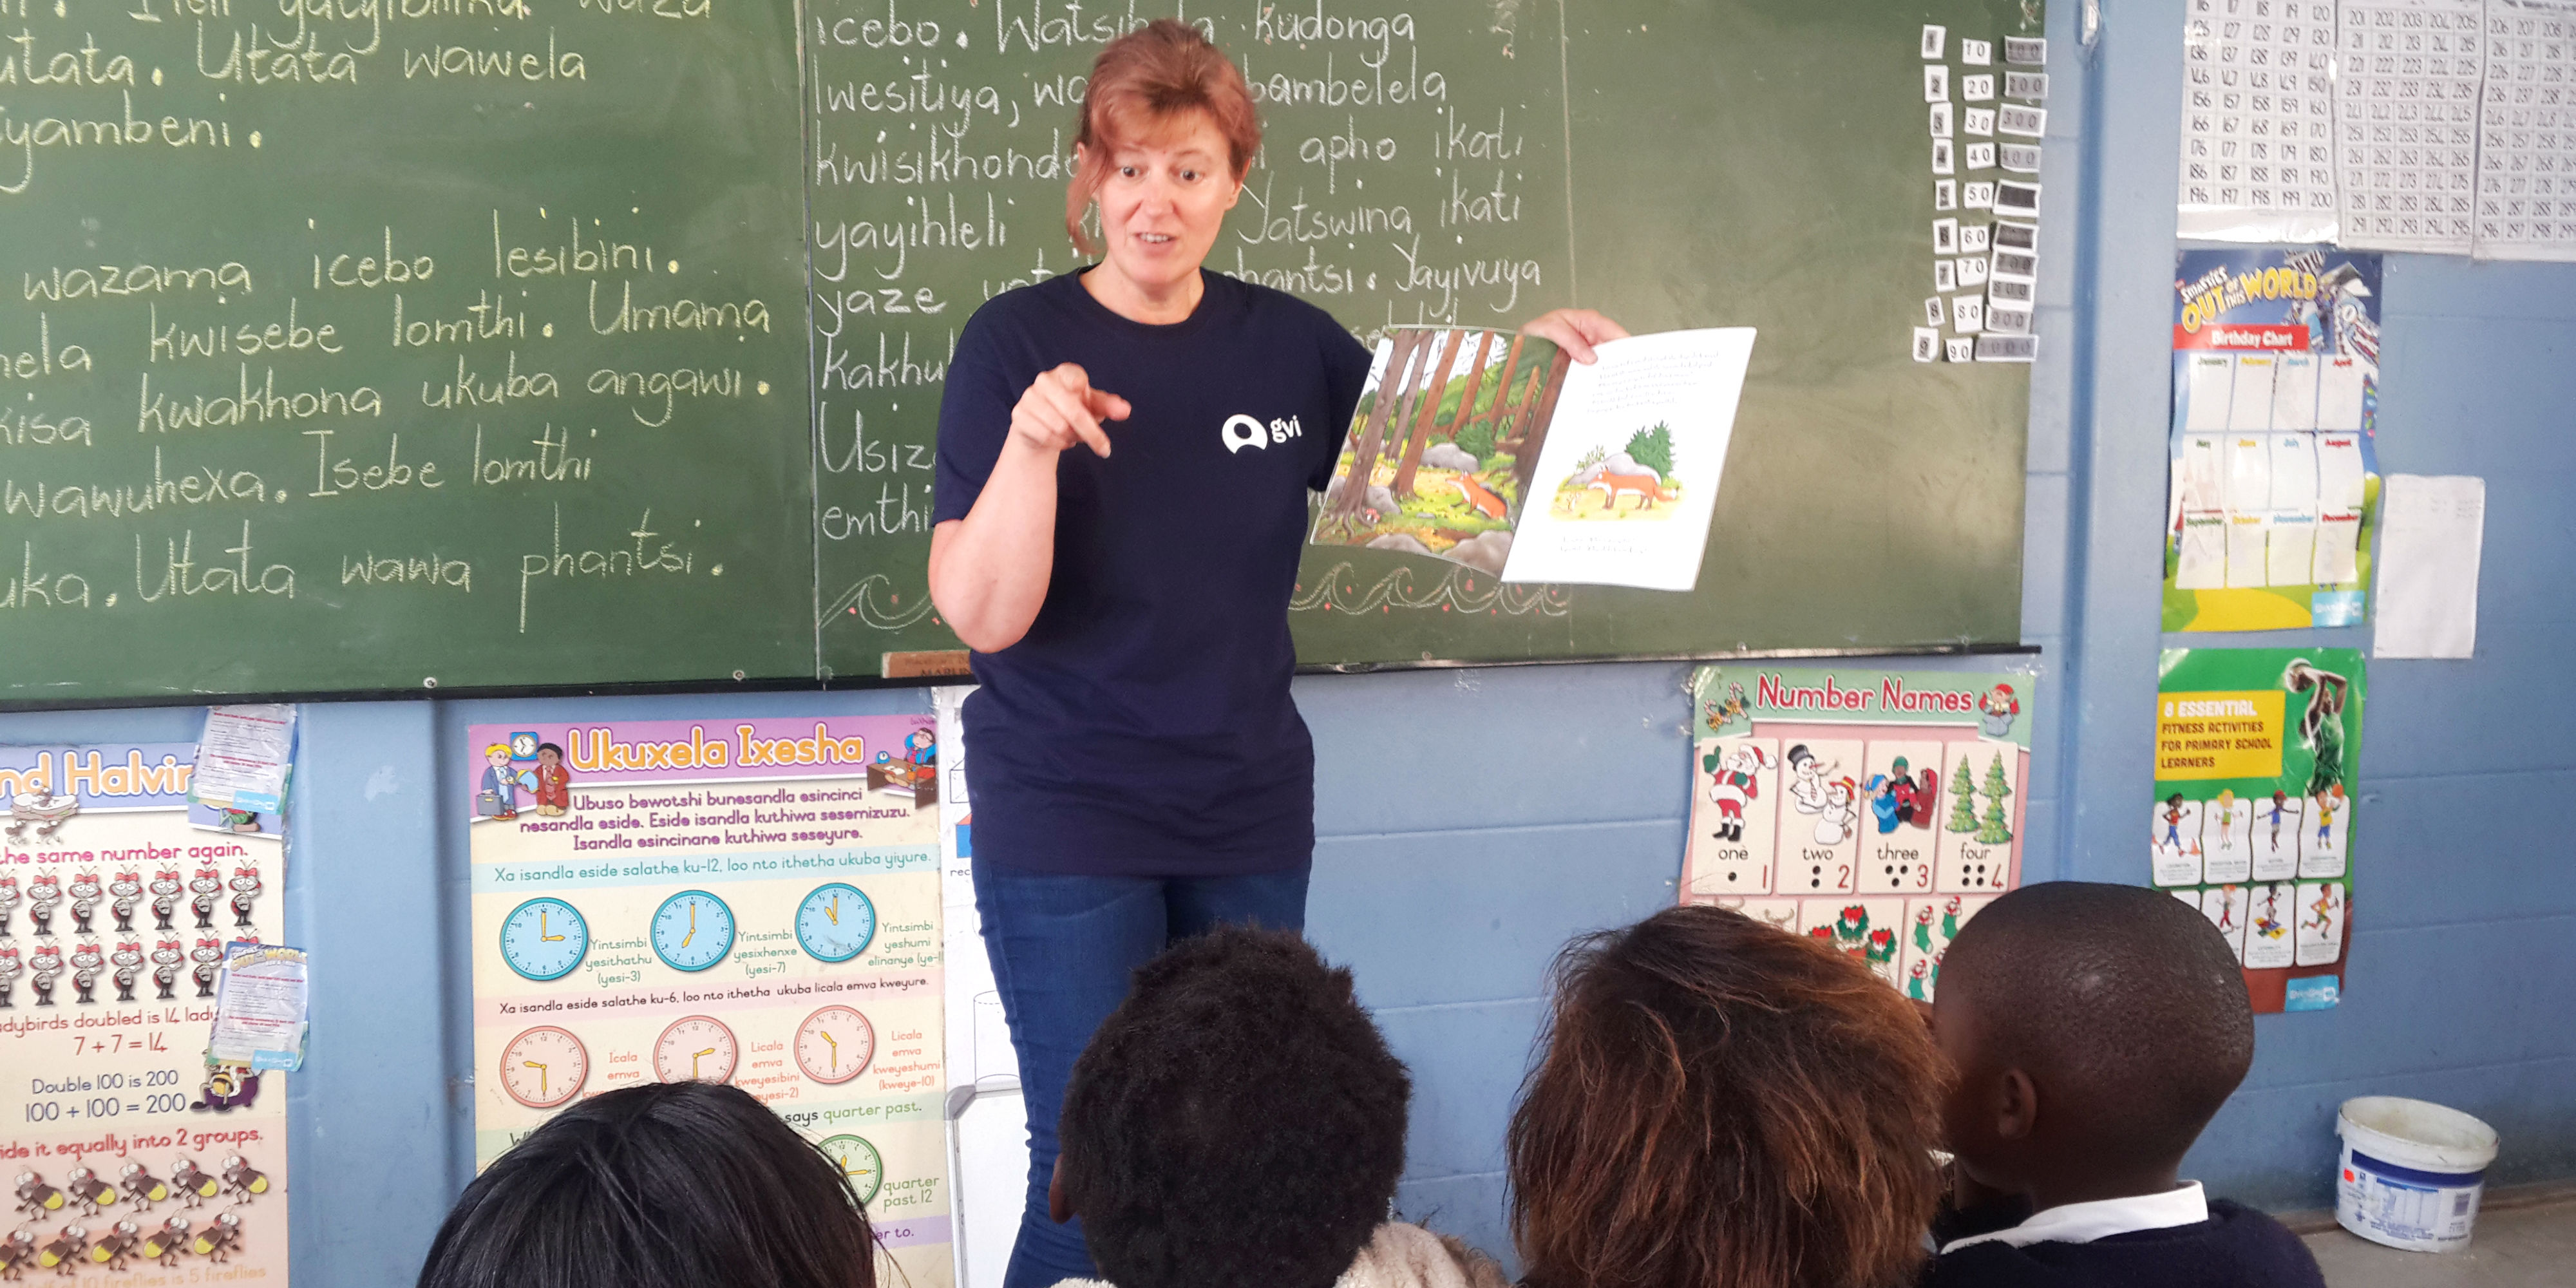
<point x="1945" y="194"/>
<point x="2017" y="198"/>
<point x="1933" y="40"/>
<point x="1973" y="270"/>
<point x="1978" y="87"/>
<point x="2527" y="133"/>
<point x="2012" y="236"/>
<point x="1976" y="53"/>
<point x="1945" y="236"/>
<point x="1977" y="120"/>
<point x="2257" y="121"/>
<point x="1936" y="83"/>
<point x="2006" y="317"/>
<point x="2010" y="291"/>
<point x="1968" y="313"/>
<point x="2015" y="118"/>
<point x="2007" y="348"/>
<point x="1960" y="348"/>
<point x="2408" y="78"/>
<point x="1978" y="195"/>
<point x="2021" y="158"/>
<point x="1974" y="238"/>
<point x="2029" y="85"/>
<point x="2013" y="263"/>
<point x="1940" y="120"/>
<point x="1927" y="344"/>
<point x="1941" y="157"/>
<point x="1945" y="275"/>
<point x="1981" y="156"/>
<point x="2027" y="51"/>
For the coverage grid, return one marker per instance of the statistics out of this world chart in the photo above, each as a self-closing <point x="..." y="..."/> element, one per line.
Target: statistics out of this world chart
<point x="747" y="901"/>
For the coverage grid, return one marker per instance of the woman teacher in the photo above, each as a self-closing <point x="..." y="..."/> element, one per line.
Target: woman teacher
<point x="1124" y="458"/>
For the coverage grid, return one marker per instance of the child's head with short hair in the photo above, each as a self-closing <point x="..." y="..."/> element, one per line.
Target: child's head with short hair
<point x="661" y="1185"/>
<point x="2094" y="1029"/>
<point x="1237" y="1122"/>
<point x="1722" y="1102"/>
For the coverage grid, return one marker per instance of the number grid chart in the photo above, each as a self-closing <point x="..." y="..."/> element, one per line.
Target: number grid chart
<point x="2437" y="126"/>
<point x="2526" y="202"/>
<point x="2258" y="118"/>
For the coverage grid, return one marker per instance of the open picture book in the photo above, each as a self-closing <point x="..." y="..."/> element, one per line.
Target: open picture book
<point x="1499" y="452"/>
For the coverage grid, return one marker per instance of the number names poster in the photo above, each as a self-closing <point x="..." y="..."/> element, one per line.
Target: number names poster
<point x="1876" y="809"/>
<point x="747" y="901"/>
<point x="2258" y="756"/>
<point x="132" y="1162"/>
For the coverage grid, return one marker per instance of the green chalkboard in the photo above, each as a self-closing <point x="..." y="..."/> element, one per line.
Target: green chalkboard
<point x="554" y="432"/>
<point x="638" y="313"/>
<point x="1726" y="163"/>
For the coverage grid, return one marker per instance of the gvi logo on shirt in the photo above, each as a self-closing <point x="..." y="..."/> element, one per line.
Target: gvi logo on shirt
<point x="1241" y="432"/>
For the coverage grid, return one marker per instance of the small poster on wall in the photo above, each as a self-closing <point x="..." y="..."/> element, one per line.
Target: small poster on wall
<point x="142" y="1154"/>
<point x="1876" y="809"/>
<point x="2257" y="754"/>
<point x="2275" y="483"/>
<point x="753" y="902"/>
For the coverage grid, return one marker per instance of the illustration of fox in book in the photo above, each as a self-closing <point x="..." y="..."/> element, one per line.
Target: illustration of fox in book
<point x="1440" y="452"/>
<point x="1634" y="482"/>
<point x="1460" y="430"/>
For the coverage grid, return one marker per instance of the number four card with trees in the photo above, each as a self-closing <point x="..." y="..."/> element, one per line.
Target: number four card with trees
<point x="1458" y="429"/>
<point x="1877" y="809"/>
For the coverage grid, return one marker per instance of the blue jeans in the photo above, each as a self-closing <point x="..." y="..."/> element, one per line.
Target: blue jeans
<point x="1064" y="949"/>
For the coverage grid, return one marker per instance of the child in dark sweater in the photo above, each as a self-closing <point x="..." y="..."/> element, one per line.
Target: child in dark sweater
<point x="2095" y="1030"/>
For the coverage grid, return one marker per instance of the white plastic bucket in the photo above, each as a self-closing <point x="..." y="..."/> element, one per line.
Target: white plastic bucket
<point x="2411" y="1172"/>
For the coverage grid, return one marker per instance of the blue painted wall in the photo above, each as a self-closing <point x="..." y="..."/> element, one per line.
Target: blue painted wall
<point x="1471" y="821"/>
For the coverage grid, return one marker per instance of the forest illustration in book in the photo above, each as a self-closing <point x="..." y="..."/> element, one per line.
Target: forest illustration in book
<point x="1446" y="438"/>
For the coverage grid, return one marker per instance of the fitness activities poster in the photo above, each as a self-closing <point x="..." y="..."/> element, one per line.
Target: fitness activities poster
<point x="2275" y="483"/>
<point x="1877" y="809"/>
<point x="133" y="1160"/>
<point x="2257" y="754"/>
<point x="746" y="901"/>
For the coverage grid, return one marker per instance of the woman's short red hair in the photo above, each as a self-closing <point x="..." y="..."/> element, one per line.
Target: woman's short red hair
<point x="1139" y="83"/>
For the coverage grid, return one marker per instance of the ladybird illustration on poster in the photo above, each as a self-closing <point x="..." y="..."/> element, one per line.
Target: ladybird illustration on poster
<point x="2258" y="751"/>
<point x="753" y="902"/>
<point x="135" y="1158"/>
<point x="1876" y="809"/>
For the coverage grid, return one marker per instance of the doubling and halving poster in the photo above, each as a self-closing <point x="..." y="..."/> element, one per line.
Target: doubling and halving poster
<point x="1878" y="809"/>
<point x="747" y="901"/>
<point x="2257" y="756"/>
<point x="134" y="1161"/>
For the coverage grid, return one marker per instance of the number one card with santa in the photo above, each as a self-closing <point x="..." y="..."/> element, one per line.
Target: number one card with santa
<point x="1877" y="809"/>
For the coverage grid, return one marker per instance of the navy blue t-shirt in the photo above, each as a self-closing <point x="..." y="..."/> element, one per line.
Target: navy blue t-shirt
<point x="1143" y="725"/>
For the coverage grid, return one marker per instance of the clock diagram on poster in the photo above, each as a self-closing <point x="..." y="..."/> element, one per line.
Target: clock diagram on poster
<point x="834" y="1045"/>
<point x="692" y="931"/>
<point x="544" y="939"/>
<point x="696" y="1048"/>
<point x="544" y="1067"/>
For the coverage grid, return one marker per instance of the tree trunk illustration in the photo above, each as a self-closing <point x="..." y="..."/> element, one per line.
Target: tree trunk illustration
<point x="1535" y="420"/>
<point x="1399" y="365"/>
<point x="1502" y="385"/>
<point x="1422" y="432"/>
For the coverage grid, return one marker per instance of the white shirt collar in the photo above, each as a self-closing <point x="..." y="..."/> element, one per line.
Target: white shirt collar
<point x="2185" y="1204"/>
